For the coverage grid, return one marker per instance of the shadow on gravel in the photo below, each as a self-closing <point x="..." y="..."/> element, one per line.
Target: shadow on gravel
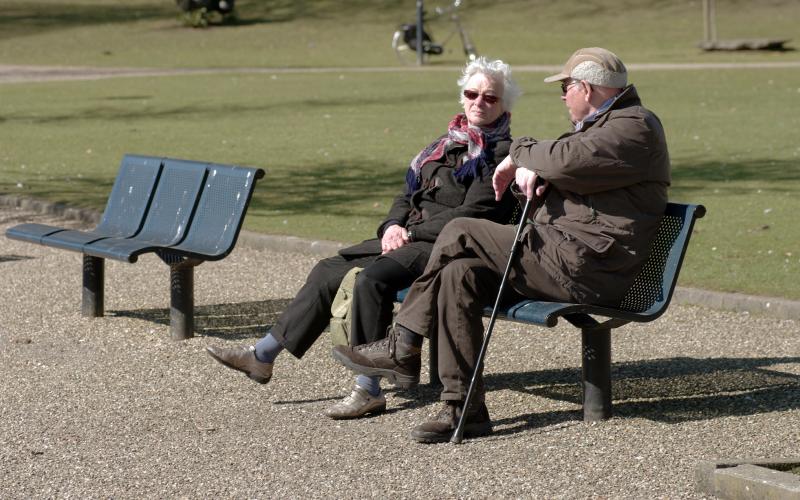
<point x="670" y="390"/>
<point x="226" y="321"/>
<point x="12" y="258"/>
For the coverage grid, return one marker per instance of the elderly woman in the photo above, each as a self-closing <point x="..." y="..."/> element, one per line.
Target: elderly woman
<point x="451" y="177"/>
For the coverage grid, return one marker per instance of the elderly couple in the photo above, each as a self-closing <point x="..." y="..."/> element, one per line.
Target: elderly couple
<point x="448" y="237"/>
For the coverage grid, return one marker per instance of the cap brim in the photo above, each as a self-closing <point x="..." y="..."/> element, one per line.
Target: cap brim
<point x="556" y="78"/>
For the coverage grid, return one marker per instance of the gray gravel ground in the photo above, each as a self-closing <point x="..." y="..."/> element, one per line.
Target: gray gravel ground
<point x="111" y="407"/>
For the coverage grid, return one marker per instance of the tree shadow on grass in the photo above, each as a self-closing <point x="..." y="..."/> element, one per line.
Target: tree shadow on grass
<point x="779" y="176"/>
<point x="35" y="17"/>
<point x="338" y="189"/>
<point x="39" y="17"/>
<point x="669" y="390"/>
<point x="227" y="109"/>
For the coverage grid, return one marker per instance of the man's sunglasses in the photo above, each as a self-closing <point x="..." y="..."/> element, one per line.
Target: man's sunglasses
<point x="565" y="85"/>
<point x="488" y="98"/>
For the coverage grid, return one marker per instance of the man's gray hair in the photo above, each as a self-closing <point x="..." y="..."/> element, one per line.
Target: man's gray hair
<point x="497" y="71"/>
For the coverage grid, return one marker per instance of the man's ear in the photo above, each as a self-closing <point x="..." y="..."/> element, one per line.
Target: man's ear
<point x="588" y="91"/>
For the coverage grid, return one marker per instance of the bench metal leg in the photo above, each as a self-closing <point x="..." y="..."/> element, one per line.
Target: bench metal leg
<point x="596" y="376"/>
<point x="93" y="277"/>
<point x="181" y="310"/>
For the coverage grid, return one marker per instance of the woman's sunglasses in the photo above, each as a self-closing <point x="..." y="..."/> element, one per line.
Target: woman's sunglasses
<point x="488" y="98"/>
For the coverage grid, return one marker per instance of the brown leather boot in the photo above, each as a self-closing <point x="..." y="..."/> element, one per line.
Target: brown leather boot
<point x="440" y="428"/>
<point x="390" y="358"/>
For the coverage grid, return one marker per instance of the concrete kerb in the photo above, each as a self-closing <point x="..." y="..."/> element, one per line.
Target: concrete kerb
<point x="772" y="307"/>
<point x="749" y="479"/>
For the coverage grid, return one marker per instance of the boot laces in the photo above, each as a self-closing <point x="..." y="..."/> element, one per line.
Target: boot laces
<point x="387" y="344"/>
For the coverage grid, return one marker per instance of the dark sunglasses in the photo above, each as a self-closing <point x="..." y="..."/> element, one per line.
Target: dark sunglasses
<point x="472" y="95"/>
<point x="565" y="85"/>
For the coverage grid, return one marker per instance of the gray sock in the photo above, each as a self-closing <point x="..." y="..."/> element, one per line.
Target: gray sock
<point x="267" y="349"/>
<point x="371" y="384"/>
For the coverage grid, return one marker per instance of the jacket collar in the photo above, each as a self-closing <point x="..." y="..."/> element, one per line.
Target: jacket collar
<point x="628" y="97"/>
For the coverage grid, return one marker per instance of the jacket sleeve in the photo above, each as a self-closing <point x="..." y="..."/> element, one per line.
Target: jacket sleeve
<point x="604" y="157"/>
<point x="398" y="213"/>
<point x="478" y="202"/>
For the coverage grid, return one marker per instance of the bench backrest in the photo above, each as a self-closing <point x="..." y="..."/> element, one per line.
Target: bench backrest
<point x="220" y="211"/>
<point x="648" y="298"/>
<point x="653" y="288"/>
<point x="130" y="196"/>
<point x="173" y="202"/>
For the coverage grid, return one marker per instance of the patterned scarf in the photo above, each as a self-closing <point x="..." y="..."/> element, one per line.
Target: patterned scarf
<point x="460" y="132"/>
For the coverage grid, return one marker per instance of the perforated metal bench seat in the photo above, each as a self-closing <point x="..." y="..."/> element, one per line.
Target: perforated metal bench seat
<point x="185" y="211"/>
<point x="646" y="300"/>
<point x="123" y="216"/>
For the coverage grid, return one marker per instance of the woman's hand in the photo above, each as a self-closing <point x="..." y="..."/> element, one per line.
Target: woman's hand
<point x="503" y="175"/>
<point x="393" y="238"/>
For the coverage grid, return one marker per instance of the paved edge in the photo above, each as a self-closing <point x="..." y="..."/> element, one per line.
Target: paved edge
<point x="748" y="479"/>
<point x="772" y="307"/>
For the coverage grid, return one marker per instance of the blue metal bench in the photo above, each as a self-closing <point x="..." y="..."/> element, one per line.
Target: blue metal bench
<point x="186" y="212"/>
<point x="646" y="300"/>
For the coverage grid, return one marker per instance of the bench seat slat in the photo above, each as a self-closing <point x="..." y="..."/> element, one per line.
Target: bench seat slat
<point x="123" y="216"/>
<point x="32" y="233"/>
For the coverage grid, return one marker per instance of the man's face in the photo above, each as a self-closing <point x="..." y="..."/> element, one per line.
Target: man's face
<point x="574" y="95"/>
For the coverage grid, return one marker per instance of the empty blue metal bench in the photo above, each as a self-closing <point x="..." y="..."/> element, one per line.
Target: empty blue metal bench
<point x="186" y="212"/>
<point x="646" y="300"/>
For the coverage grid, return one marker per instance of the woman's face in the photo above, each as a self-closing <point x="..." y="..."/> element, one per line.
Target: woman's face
<point x="479" y="111"/>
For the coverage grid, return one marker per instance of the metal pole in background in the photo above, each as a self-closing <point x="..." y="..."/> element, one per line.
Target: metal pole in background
<point x="420" y="52"/>
<point x="710" y="22"/>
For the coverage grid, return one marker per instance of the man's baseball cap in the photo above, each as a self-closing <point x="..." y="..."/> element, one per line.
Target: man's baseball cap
<point x="595" y="65"/>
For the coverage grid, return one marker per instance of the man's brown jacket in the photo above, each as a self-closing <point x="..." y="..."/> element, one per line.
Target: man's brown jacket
<point x="608" y="191"/>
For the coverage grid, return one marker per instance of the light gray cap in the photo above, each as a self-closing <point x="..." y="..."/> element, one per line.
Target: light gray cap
<point x="595" y="65"/>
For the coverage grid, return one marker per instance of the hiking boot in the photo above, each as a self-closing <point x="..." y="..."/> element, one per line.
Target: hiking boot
<point x="391" y="358"/>
<point x="440" y="428"/>
<point x="243" y="359"/>
<point x="359" y="403"/>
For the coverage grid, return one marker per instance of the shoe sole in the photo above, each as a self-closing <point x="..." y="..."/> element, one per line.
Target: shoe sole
<point x="250" y="375"/>
<point x="398" y="379"/>
<point x="470" y="431"/>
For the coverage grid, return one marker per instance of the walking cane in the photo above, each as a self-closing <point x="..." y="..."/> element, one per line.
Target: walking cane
<point x="458" y="434"/>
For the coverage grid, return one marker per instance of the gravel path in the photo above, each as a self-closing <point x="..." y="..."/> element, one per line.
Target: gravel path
<point x="111" y="407"/>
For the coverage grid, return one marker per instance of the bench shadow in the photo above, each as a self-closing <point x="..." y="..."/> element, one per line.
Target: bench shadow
<point x="669" y="390"/>
<point x="226" y="321"/>
<point x="13" y="257"/>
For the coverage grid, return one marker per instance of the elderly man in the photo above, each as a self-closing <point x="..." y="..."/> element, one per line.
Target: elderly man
<point x="606" y="185"/>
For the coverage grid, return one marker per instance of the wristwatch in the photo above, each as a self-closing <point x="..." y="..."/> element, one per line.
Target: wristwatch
<point x="410" y="235"/>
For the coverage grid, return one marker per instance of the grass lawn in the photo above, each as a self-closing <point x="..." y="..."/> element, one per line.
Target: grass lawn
<point x="336" y="145"/>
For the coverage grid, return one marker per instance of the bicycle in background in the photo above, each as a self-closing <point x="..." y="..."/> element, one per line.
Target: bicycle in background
<point x="199" y="13"/>
<point x="404" y="40"/>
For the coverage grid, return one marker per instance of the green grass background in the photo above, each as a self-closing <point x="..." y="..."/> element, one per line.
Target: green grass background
<point x="336" y="144"/>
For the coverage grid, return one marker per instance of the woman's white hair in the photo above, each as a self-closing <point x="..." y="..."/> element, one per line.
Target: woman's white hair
<point x="497" y="71"/>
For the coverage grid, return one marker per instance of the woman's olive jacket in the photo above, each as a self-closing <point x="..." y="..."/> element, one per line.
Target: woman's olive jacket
<point x="440" y="199"/>
<point x="608" y="191"/>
